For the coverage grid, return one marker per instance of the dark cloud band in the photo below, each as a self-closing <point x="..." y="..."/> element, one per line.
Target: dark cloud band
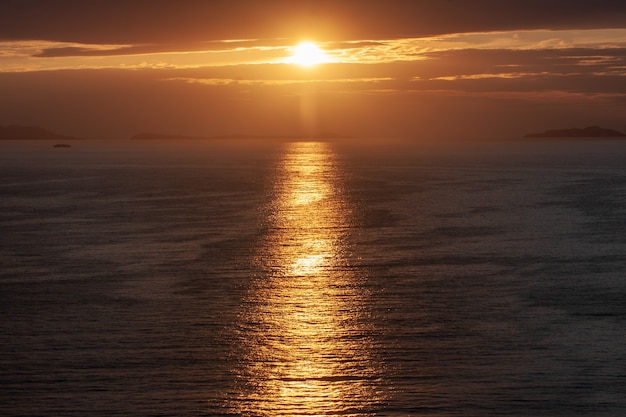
<point x="141" y="21"/>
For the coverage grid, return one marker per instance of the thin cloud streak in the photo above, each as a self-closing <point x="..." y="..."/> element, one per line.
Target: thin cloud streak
<point x="268" y="82"/>
<point x="41" y="56"/>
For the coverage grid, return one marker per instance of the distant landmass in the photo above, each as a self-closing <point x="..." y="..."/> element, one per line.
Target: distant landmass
<point x="587" y="132"/>
<point x="160" y="136"/>
<point x="16" y="132"/>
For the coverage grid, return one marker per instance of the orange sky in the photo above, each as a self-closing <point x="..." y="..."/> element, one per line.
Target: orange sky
<point x="412" y="69"/>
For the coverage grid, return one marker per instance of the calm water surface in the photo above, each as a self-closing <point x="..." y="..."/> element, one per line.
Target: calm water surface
<point x="313" y="279"/>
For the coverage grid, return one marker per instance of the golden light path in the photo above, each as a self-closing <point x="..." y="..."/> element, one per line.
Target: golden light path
<point x="309" y="350"/>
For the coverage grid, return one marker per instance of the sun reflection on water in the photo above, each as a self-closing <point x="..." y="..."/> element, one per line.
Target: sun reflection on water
<point x="304" y="326"/>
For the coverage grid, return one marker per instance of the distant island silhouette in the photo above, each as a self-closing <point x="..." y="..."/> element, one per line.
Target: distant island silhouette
<point x="161" y="136"/>
<point x="587" y="132"/>
<point x="17" y="132"/>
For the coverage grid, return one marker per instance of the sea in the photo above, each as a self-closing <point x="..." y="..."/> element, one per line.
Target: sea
<point x="303" y="278"/>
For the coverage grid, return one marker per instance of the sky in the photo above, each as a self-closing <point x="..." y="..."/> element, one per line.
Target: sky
<point x="425" y="70"/>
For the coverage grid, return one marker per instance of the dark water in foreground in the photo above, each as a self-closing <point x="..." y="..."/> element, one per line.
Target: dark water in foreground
<point x="307" y="279"/>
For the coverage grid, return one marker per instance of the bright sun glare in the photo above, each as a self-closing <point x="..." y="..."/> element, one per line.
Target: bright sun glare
<point x="308" y="54"/>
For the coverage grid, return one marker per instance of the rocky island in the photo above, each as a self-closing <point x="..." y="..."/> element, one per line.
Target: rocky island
<point x="587" y="132"/>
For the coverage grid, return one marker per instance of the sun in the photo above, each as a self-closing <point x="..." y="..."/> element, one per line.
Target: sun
<point x="308" y="54"/>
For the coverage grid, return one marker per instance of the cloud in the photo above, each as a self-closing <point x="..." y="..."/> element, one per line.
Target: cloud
<point x="510" y="46"/>
<point x="116" y="103"/>
<point x="410" y="49"/>
<point x="59" y="49"/>
<point x="205" y="68"/>
<point x="319" y="83"/>
<point x="154" y="22"/>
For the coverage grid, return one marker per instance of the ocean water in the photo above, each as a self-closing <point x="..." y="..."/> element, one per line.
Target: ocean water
<point x="313" y="279"/>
